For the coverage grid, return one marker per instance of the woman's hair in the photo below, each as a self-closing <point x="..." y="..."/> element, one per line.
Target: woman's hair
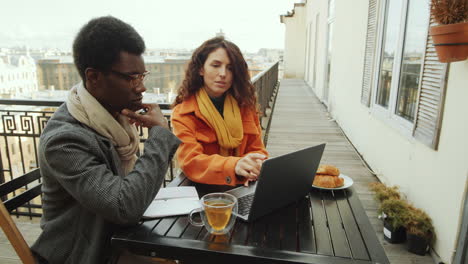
<point x="100" y="41"/>
<point x="242" y="89"/>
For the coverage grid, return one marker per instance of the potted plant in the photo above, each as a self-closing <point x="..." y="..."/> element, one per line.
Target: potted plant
<point x="395" y="214"/>
<point x="384" y="192"/>
<point x="451" y="35"/>
<point x="419" y="231"/>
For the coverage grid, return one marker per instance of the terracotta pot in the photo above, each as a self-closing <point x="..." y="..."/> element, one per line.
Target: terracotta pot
<point x="451" y="41"/>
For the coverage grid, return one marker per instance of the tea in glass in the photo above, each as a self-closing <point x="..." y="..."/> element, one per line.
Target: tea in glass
<point x="218" y="213"/>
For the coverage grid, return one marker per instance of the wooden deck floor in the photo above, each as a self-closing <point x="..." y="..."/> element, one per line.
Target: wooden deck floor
<point x="299" y="120"/>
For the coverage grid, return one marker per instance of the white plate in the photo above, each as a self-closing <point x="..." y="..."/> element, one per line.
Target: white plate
<point x="347" y="183"/>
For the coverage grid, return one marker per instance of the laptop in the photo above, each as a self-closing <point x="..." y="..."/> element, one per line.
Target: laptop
<point x="282" y="180"/>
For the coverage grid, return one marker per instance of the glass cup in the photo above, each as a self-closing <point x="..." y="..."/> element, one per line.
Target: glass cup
<point x="218" y="213"/>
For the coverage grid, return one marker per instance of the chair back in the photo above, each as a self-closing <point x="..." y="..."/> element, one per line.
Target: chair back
<point x="7" y="205"/>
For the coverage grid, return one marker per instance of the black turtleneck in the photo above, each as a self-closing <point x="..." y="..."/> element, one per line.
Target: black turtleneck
<point x="219" y="103"/>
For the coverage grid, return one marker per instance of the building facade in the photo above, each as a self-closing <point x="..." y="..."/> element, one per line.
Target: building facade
<point x="294" y="42"/>
<point x="17" y="76"/>
<point x="61" y="74"/>
<point x="372" y="63"/>
<point x="57" y="73"/>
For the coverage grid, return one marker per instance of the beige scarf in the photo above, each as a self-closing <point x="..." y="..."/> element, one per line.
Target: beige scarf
<point x="229" y="130"/>
<point x="124" y="136"/>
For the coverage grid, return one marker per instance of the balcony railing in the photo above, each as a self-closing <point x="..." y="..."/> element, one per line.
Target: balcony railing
<point x="265" y="84"/>
<point x="22" y="122"/>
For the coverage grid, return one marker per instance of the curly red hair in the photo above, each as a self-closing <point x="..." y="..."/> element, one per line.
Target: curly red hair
<point x="242" y="88"/>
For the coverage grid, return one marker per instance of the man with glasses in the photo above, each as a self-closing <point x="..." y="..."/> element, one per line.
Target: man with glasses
<point x="93" y="181"/>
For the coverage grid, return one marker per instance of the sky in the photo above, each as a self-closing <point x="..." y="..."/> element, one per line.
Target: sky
<point x="179" y="24"/>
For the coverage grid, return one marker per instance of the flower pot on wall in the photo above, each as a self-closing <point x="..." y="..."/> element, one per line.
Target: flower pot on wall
<point x="451" y="41"/>
<point x="393" y="235"/>
<point x="417" y="244"/>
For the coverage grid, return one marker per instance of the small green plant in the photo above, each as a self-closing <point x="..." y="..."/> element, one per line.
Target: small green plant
<point x="383" y="192"/>
<point x="419" y="223"/>
<point x="449" y="11"/>
<point x="395" y="211"/>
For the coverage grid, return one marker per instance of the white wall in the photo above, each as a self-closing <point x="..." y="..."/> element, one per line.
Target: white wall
<point x="294" y="44"/>
<point x="319" y="52"/>
<point x="433" y="180"/>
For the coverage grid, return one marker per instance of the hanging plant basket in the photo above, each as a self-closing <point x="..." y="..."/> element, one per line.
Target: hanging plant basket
<point x="451" y="41"/>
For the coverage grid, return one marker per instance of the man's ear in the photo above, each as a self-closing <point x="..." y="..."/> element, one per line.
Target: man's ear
<point x="92" y="76"/>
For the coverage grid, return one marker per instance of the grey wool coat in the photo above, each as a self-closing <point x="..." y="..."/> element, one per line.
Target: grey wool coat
<point x="86" y="197"/>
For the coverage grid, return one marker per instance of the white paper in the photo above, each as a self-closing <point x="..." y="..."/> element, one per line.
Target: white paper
<point x="173" y="201"/>
<point x="177" y="192"/>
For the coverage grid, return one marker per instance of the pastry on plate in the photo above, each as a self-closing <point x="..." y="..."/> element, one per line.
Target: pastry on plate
<point x="328" y="170"/>
<point x="328" y="181"/>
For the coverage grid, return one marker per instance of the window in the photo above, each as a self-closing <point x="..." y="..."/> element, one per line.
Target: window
<point x="411" y="65"/>
<point x="402" y="38"/>
<point x="389" y="43"/>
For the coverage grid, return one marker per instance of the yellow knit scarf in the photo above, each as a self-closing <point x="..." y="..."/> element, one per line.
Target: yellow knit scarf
<point x="229" y="130"/>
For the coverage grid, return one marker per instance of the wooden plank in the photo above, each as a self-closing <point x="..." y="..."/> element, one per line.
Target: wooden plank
<point x="375" y="249"/>
<point x="289" y="230"/>
<point x="15" y="237"/>
<point x="143" y="230"/>
<point x="258" y="232"/>
<point x="164" y="225"/>
<point x="305" y="230"/>
<point x="19" y="182"/>
<point x="353" y="234"/>
<point x="23" y="198"/>
<point x="322" y="235"/>
<point x="274" y="229"/>
<point x="203" y="235"/>
<point x="191" y="232"/>
<point x="240" y="233"/>
<point x="179" y="226"/>
<point x="338" y="236"/>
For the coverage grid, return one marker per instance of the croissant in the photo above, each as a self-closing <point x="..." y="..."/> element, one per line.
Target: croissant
<point x="328" y="170"/>
<point x="328" y="181"/>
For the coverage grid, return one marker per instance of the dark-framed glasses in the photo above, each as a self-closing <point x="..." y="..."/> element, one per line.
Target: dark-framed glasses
<point x="135" y="79"/>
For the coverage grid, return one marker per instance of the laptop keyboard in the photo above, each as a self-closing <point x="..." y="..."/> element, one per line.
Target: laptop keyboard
<point x="245" y="202"/>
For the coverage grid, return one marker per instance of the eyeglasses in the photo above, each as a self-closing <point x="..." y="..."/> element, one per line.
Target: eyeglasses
<point x="135" y="79"/>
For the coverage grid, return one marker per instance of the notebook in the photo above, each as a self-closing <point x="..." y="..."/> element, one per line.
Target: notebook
<point x="282" y="180"/>
<point x="172" y="201"/>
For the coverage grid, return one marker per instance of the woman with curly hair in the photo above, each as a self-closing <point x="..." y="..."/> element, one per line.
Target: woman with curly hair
<point x="215" y="117"/>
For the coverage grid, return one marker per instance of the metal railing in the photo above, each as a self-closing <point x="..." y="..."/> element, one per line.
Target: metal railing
<point x="265" y="83"/>
<point x="23" y="122"/>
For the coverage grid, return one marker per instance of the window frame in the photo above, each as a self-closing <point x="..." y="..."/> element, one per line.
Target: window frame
<point x="388" y="116"/>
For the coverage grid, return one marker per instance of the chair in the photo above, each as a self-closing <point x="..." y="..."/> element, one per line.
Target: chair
<point x="6" y="222"/>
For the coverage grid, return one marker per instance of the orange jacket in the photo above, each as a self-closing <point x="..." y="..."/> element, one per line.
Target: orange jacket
<point x="198" y="155"/>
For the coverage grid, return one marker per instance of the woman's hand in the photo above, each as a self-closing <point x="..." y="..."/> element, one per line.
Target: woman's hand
<point x="150" y="118"/>
<point x="249" y="166"/>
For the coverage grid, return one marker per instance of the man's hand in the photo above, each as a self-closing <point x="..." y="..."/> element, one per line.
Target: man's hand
<point x="152" y="117"/>
<point x="249" y="166"/>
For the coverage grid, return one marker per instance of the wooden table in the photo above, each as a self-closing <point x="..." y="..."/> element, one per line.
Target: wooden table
<point x="325" y="227"/>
